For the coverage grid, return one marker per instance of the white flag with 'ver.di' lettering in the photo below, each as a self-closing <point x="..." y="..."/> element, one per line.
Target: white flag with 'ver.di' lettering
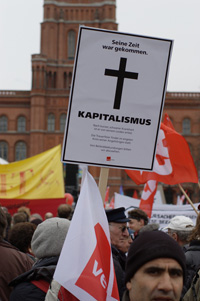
<point x="85" y="267"/>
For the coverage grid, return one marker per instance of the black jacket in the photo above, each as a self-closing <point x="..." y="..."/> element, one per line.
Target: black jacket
<point x="24" y="290"/>
<point x="192" y="263"/>
<point x="119" y="260"/>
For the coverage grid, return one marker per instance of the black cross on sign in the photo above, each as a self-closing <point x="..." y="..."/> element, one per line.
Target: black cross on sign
<point x="121" y="74"/>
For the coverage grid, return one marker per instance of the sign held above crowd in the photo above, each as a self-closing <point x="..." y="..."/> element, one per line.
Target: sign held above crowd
<point x="116" y="100"/>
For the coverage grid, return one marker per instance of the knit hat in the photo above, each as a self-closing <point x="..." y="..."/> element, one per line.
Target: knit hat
<point x="180" y="223"/>
<point x="49" y="236"/>
<point x="117" y="215"/>
<point x="149" y="246"/>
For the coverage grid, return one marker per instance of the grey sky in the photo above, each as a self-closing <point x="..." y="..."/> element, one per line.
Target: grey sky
<point x="171" y="19"/>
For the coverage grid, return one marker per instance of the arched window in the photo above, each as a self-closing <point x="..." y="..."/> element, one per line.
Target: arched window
<point x="51" y="123"/>
<point x="186" y="126"/>
<point x="71" y="44"/>
<point x="62" y="122"/>
<point x="4" y="150"/>
<point x="20" y="151"/>
<point x="21" y="124"/>
<point x="3" y="124"/>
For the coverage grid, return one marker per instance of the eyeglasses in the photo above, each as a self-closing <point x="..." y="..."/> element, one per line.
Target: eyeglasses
<point x="122" y="228"/>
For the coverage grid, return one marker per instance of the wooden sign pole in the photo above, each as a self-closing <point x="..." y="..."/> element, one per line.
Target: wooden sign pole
<point x="187" y="197"/>
<point x="103" y="181"/>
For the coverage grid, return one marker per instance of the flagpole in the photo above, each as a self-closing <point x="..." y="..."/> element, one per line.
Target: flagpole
<point x="187" y="197"/>
<point x="103" y="181"/>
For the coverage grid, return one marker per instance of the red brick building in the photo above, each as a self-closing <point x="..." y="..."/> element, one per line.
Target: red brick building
<point x="33" y="121"/>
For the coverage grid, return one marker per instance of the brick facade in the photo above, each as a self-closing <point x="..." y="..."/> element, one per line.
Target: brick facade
<point x="44" y="107"/>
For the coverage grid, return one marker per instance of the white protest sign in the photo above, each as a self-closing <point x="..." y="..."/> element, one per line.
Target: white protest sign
<point x="161" y="214"/>
<point x="116" y="101"/>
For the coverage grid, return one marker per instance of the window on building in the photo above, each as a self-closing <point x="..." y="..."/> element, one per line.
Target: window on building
<point x="51" y="123"/>
<point x="62" y="122"/>
<point x="3" y="124"/>
<point x="21" y="124"/>
<point x="20" y="151"/>
<point x="71" y="44"/>
<point x="54" y="80"/>
<point x="4" y="150"/>
<point x="186" y="126"/>
<point x="70" y="79"/>
<point x="65" y="80"/>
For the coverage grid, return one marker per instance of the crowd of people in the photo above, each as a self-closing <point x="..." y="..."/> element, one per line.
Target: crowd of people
<point x="149" y="263"/>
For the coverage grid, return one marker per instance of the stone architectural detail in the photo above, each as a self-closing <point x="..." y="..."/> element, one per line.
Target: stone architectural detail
<point x="33" y="121"/>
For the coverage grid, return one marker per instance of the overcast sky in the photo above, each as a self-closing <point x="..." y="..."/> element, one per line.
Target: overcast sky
<point x="171" y="19"/>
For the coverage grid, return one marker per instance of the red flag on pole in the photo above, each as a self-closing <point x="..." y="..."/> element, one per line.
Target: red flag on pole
<point x="112" y="203"/>
<point x="86" y="251"/>
<point x="147" y="197"/>
<point x="135" y="194"/>
<point x="168" y="122"/>
<point x="173" y="163"/>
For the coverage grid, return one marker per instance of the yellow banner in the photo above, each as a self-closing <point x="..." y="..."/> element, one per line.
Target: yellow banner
<point x="37" y="177"/>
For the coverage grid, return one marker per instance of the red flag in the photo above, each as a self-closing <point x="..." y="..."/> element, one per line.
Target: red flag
<point x="173" y="163"/>
<point x="135" y="194"/>
<point x="147" y="197"/>
<point x="86" y="251"/>
<point x="168" y="122"/>
<point x="112" y="203"/>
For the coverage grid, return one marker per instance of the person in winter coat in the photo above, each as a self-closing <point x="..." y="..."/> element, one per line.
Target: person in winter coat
<point x="119" y="234"/>
<point x="12" y="261"/>
<point x="193" y="255"/>
<point x="46" y="244"/>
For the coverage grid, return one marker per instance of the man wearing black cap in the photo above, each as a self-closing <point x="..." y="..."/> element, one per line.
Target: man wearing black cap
<point x="155" y="268"/>
<point x="119" y="234"/>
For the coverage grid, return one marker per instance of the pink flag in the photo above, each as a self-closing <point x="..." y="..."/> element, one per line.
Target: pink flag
<point x="147" y="197"/>
<point x="85" y="267"/>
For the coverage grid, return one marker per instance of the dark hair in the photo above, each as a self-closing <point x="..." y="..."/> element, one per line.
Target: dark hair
<point x="64" y="211"/>
<point x="26" y="211"/>
<point x="138" y="214"/>
<point x="21" y="234"/>
<point x="19" y="217"/>
<point x="3" y="223"/>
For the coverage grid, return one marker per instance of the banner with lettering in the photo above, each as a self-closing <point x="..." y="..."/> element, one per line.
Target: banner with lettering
<point x="161" y="213"/>
<point x="38" y="177"/>
<point x="40" y="206"/>
<point x="86" y="252"/>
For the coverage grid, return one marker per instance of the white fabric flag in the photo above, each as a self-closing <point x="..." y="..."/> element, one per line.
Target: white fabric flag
<point x="85" y="267"/>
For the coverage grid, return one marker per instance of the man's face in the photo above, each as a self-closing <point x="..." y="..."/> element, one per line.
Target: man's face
<point x="135" y="225"/>
<point x="157" y="280"/>
<point x="118" y="234"/>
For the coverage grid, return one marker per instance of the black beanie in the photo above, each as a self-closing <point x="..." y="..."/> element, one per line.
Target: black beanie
<point x="149" y="246"/>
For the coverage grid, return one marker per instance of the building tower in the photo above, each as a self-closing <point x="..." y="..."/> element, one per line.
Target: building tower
<point x="52" y="68"/>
